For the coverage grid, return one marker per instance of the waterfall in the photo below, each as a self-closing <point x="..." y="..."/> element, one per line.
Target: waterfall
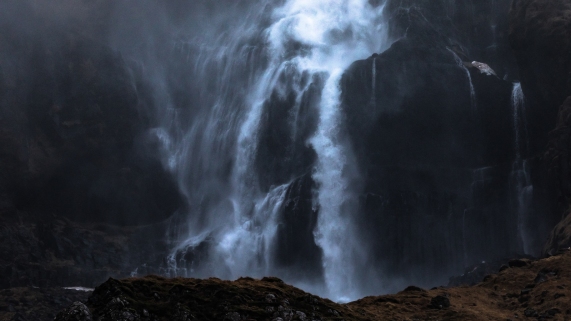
<point x="276" y="52"/>
<point x="460" y="64"/>
<point x="520" y="176"/>
<point x="374" y="82"/>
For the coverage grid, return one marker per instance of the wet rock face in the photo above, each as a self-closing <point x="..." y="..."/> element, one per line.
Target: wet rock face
<point x="540" y="35"/>
<point x="295" y="241"/>
<point x="479" y="27"/>
<point x="557" y="158"/>
<point x="434" y="157"/>
<point x="71" y="127"/>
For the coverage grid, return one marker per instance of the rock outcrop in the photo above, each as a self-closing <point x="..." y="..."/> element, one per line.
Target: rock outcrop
<point x="540" y="35"/>
<point x="532" y="289"/>
<point x="435" y="140"/>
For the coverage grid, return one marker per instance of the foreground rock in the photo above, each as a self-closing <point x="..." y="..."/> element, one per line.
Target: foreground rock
<point x="29" y="303"/>
<point x="533" y="290"/>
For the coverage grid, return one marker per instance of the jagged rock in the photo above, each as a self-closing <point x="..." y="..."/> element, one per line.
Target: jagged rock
<point x="483" y="68"/>
<point x="76" y="312"/>
<point x="409" y="111"/>
<point x="540" y="35"/>
<point x="557" y="161"/>
<point x="560" y="238"/>
<point x="213" y="299"/>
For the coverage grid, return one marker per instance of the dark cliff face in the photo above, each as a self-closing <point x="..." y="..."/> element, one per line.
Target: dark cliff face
<point x="540" y="37"/>
<point x="72" y="126"/>
<point x="479" y="28"/>
<point x="435" y="162"/>
<point x="75" y="167"/>
<point x="434" y="159"/>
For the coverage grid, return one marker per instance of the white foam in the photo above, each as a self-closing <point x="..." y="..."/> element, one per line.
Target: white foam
<point x="79" y="288"/>
<point x="329" y="35"/>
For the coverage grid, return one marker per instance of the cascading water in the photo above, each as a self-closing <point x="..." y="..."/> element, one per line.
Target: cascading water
<point x="231" y="227"/>
<point x="374" y="82"/>
<point x="460" y="64"/>
<point x="521" y="180"/>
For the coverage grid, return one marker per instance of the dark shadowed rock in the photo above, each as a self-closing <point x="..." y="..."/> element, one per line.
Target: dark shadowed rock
<point x="71" y="132"/>
<point x="295" y="241"/>
<point x="431" y="152"/>
<point x="41" y="304"/>
<point x="497" y="298"/>
<point x="560" y="238"/>
<point x="76" y="312"/>
<point x="540" y="35"/>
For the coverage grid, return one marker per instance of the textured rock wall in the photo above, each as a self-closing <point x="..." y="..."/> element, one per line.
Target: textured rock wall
<point x="541" y="42"/>
<point x="540" y="35"/>
<point x="74" y="165"/>
<point x="71" y="126"/>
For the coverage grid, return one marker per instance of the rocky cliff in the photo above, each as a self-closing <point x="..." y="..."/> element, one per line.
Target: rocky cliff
<point x="539" y="35"/>
<point x="83" y="195"/>
<point x="72" y="154"/>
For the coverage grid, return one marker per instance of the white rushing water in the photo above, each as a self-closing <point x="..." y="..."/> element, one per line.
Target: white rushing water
<point x="374" y="82"/>
<point x="521" y="180"/>
<point x="336" y="33"/>
<point x="214" y="159"/>
<point x="461" y="64"/>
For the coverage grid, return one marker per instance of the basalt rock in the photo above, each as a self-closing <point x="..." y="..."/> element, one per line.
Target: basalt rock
<point x="71" y="127"/>
<point x="540" y="35"/>
<point x="295" y="241"/>
<point x="480" y="29"/>
<point x="557" y="159"/>
<point x="560" y="237"/>
<point x="429" y="130"/>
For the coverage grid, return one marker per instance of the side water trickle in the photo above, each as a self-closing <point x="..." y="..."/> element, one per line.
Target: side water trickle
<point x="230" y="230"/>
<point x="522" y="188"/>
<point x="460" y="64"/>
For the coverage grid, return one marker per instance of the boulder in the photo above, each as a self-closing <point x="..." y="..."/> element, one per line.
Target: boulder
<point x="75" y="312"/>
